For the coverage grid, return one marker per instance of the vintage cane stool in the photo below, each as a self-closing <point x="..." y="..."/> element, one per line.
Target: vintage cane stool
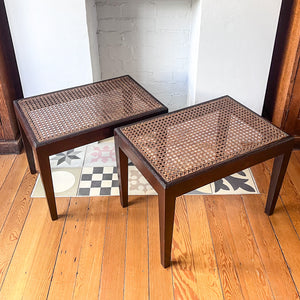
<point x="59" y="121"/>
<point x="184" y="150"/>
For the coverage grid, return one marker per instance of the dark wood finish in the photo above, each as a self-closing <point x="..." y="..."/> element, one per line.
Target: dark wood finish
<point x="11" y="146"/>
<point x="278" y="172"/>
<point x="282" y="102"/>
<point x="29" y="151"/>
<point x="292" y="121"/>
<point x="45" y="171"/>
<point x="281" y="39"/>
<point x="122" y="161"/>
<point x="10" y="89"/>
<point x="46" y="148"/>
<point x="168" y="191"/>
<point x="166" y="205"/>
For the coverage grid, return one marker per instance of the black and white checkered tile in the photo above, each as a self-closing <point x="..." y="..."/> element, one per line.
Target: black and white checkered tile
<point x="97" y="181"/>
<point x="91" y="171"/>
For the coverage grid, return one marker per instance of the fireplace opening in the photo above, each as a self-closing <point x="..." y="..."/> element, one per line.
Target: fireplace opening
<point x="149" y="40"/>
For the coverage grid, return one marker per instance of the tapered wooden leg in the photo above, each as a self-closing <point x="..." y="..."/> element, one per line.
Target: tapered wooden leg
<point x="166" y="222"/>
<point x="29" y="152"/>
<point x="122" y="164"/>
<point x="278" y="172"/>
<point x="45" y="171"/>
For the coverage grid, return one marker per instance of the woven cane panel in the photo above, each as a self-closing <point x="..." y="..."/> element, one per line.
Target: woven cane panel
<point x="187" y="141"/>
<point x="61" y="113"/>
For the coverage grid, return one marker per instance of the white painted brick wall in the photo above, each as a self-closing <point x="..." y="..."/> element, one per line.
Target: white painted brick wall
<point x="150" y="40"/>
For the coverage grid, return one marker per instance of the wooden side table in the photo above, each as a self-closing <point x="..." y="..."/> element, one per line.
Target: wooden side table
<point x="59" y="121"/>
<point x="189" y="148"/>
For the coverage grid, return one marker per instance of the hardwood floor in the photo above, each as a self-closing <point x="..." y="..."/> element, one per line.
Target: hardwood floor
<point x="224" y="247"/>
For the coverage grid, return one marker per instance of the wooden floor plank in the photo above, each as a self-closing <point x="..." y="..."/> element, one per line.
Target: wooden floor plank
<point x="289" y="195"/>
<point x="250" y="267"/>
<point x="64" y="275"/>
<point x="294" y="172"/>
<point x="183" y="266"/>
<point x="220" y="230"/>
<point x="136" y="264"/>
<point x="291" y="202"/>
<point x="288" y="240"/>
<point x="206" y="269"/>
<point x="30" y="271"/>
<point x="160" y="279"/>
<point x="277" y="271"/>
<point x="6" y="161"/>
<point x="106" y="246"/>
<point x="113" y="267"/>
<point x="288" y="185"/>
<point x="262" y="177"/>
<point x="11" y="185"/>
<point x="297" y="155"/>
<point x="90" y="261"/>
<point x="14" y="223"/>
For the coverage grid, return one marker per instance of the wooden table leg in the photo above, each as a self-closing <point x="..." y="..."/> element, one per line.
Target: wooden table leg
<point x="29" y="152"/>
<point x="279" y="168"/>
<point x="122" y="164"/>
<point x="45" y="171"/>
<point x="166" y="223"/>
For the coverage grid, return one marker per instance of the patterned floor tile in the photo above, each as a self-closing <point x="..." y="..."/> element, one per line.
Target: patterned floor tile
<point x="239" y="183"/>
<point x="98" y="181"/>
<point x="100" y="154"/>
<point x="204" y="190"/>
<point x="96" y="175"/>
<point x="137" y="183"/>
<point x="68" y="159"/>
<point x="65" y="182"/>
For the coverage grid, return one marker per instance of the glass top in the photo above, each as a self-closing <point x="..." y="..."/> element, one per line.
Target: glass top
<point x="70" y="111"/>
<point x="186" y="141"/>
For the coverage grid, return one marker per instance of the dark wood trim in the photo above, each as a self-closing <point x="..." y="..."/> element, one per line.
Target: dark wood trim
<point x="11" y="146"/>
<point x="281" y="40"/>
<point x="297" y="142"/>
<point x="10" y="88"/>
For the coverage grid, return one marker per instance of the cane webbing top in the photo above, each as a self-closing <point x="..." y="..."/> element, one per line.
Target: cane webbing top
<point x="200" y="136"/>
<point x="70" y="111"/>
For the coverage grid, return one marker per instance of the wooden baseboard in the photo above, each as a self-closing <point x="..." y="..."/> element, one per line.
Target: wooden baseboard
<point x="11" y="146"/>
<point x="297" y="142"/>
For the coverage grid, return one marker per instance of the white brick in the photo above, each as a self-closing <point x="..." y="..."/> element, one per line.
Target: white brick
<point x="145" y="24"/>
<point x="138" y="9"/>
<point x="127" y="25"/>
<point x="142" y="77"/>
<point x="109" y="38"/>
<point x="115" y="2"/>
<point x="173" y="38"/>
<point x="137" y="38"/>
<point x="173" y="8"/>
<point x="173" y="23"/>
<point x="109" y="25"/>
<point x="177" y="102"/>
<point x="104" y="52"/>
<point x="180" y="76"/>
<point x="110" y="68"/>
<point x="163" y="76"/>
<point x="132" y="67"/>
<point x="179" y="88"/>
<point x="130" y="38"/>
<point x="150" y="40"/>
<point x="108" y="11"/>
<point x="145" y="52"/>
<point x="122" y="53"/>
